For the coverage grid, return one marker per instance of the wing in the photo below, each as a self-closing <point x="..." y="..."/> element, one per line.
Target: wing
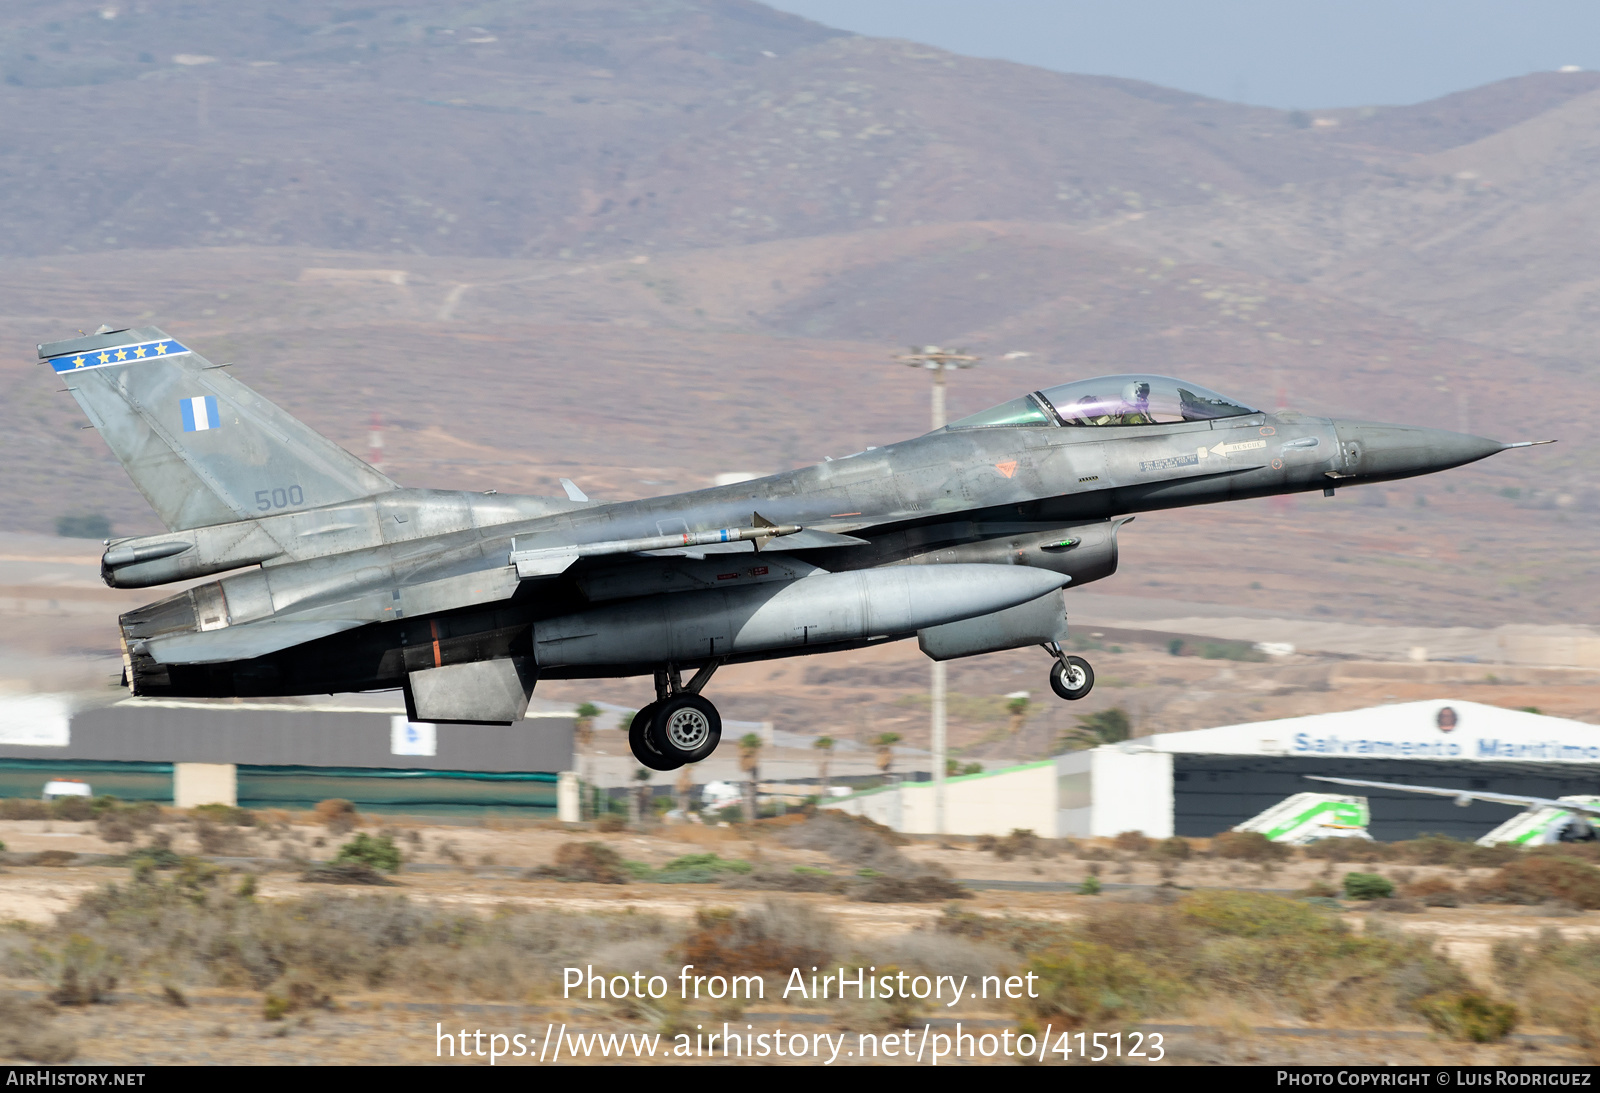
<point x="1511" y="799"/>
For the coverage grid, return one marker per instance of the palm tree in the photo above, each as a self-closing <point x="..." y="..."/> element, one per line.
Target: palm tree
<point x="1017" y="707"/>
<point x="749" y="762"/>
<point x="823" y="744"/>
<point x="583" y="737"/>
<point x="1110" y="726"/>
<point x="637" y="797"/>
<point x="886" y="742"/>
<point x="684" y="787"/>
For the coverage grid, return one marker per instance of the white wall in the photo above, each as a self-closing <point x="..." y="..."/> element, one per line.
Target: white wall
<point x="1132" y="792"/>
<point x="979" y="804"/>
<point x="195" y="784"/>
<point x="1102" y="792"/>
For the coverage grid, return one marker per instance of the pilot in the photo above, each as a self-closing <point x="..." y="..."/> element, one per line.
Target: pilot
<point x="1136" y="404"/>
<point x="1091" y="410"/>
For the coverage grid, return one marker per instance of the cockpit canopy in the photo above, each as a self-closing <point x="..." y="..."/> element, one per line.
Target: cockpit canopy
<point x="1111" y="400"/>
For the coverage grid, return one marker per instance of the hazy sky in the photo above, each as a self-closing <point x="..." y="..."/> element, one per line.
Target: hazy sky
<point x="1283" y="53"/>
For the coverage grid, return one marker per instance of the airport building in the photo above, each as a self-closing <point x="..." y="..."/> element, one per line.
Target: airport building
<point x="284" y="754"/>
<point x="1201" y="782"/>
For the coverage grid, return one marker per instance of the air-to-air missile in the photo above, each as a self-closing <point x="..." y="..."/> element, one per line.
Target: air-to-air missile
<point x="339" y="579"/>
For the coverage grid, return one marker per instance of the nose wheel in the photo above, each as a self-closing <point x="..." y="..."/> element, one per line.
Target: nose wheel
<point x="680" y="727"/>
<point x="1070" y="677"/>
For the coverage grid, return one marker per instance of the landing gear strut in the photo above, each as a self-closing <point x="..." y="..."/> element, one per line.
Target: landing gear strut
<point x="680" y="726"/>
<point x="1070" y="677"/>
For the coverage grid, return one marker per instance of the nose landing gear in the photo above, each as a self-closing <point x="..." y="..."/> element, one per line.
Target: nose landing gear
<point x="1070" y="677"/>
<point x="680" y="726"/>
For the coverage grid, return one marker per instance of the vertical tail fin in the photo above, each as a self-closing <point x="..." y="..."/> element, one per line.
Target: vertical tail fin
<point x="201" y="446"/>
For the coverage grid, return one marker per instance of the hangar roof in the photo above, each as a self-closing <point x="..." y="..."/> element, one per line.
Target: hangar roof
<point x="1441" y="728"/>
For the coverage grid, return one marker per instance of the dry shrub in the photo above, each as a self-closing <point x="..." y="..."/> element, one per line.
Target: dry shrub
<point x="1430" y="850"/>
<point x="610" y="824"/>
<point x="114" y="828"/>
<point x="1132" y="842"/>
<point x="72" y="808"/>
<point x="1245" y="945"/>
<point x="1433" y="892"/>
<point x="1214" y="949"/>
<point x="53" y="857"/>
<point x="295" y="993"/>
<point x="1390" y="904"/>
<point x="120" y="823"/>
<point x="1489" y="857"/>
<point x="1175" y="849"/>
<point x="336" y="814"/>
<point x="592" y="863"/>
<point x="25" y="1033"/>
<point x="851" y="840"/>
<point x="229" y="814"/>
<point x="1469" y="1015"/>
<point x="1021" y="843"/>
<point x="346" y="872"/>
<point x="792" y="880"/>
<point x="1250" y="846"/>
<point x="1335" y="850"/>
<point x="194" y="931"/>
<point x="770" y="939"/>
<point x="23" y="808"/>
<point x="1589" y="852"/>
<point x="869" y="848"/>
<point x="83" y="972"/>
<point x="220" y="840"/>
<point x="1557" y="982"/>
<point x="1084" y="984"/>
<point x="1538" y="879"/>
<point x="925" y="888"/>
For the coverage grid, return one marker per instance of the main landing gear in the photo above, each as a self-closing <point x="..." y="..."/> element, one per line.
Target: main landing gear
<point x="1070" y="677"/>
<point x="679" y="727"/>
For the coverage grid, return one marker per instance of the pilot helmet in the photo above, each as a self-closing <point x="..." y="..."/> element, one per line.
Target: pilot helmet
<point x="1137" y="392"/>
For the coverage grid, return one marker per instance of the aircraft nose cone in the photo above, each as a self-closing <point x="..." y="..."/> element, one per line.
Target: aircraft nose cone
<point x="1397" y="451"/>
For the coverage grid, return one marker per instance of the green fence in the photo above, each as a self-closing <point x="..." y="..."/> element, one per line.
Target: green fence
<point x="415" y="791"/>
<point x="126" y="781"/>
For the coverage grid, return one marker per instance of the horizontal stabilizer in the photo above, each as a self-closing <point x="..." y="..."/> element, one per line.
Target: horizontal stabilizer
<point x="244" y="642"/>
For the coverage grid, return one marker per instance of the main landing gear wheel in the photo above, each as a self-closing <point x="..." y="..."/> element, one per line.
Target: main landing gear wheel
<point x="639" y="739"/>
<point x="686" y="729"/>
<point x="1071" y="678"/>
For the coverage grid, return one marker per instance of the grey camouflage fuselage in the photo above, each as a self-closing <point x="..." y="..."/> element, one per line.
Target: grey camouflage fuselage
<point x="350" y="582"/>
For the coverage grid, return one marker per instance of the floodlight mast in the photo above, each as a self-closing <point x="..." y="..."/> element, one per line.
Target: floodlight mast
<point x="938" y="361"/>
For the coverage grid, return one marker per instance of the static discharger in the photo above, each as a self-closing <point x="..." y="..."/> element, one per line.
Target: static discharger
<point x="549" y="561"/>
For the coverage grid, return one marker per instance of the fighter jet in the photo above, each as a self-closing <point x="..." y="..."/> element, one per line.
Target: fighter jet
<point x="965" y="538"/>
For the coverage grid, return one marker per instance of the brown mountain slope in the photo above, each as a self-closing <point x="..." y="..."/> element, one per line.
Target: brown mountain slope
<point x="1492" y="241"/>
<point x="591" y="126"/>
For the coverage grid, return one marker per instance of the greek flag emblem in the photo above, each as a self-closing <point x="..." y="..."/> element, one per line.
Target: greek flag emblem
<point x="200" y="414"/>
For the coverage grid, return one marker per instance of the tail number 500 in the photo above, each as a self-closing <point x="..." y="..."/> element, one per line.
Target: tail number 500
<point x="280" y="498"/>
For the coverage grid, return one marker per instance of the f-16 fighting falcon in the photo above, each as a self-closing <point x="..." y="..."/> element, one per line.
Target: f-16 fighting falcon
<point x="346" y="581"/>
